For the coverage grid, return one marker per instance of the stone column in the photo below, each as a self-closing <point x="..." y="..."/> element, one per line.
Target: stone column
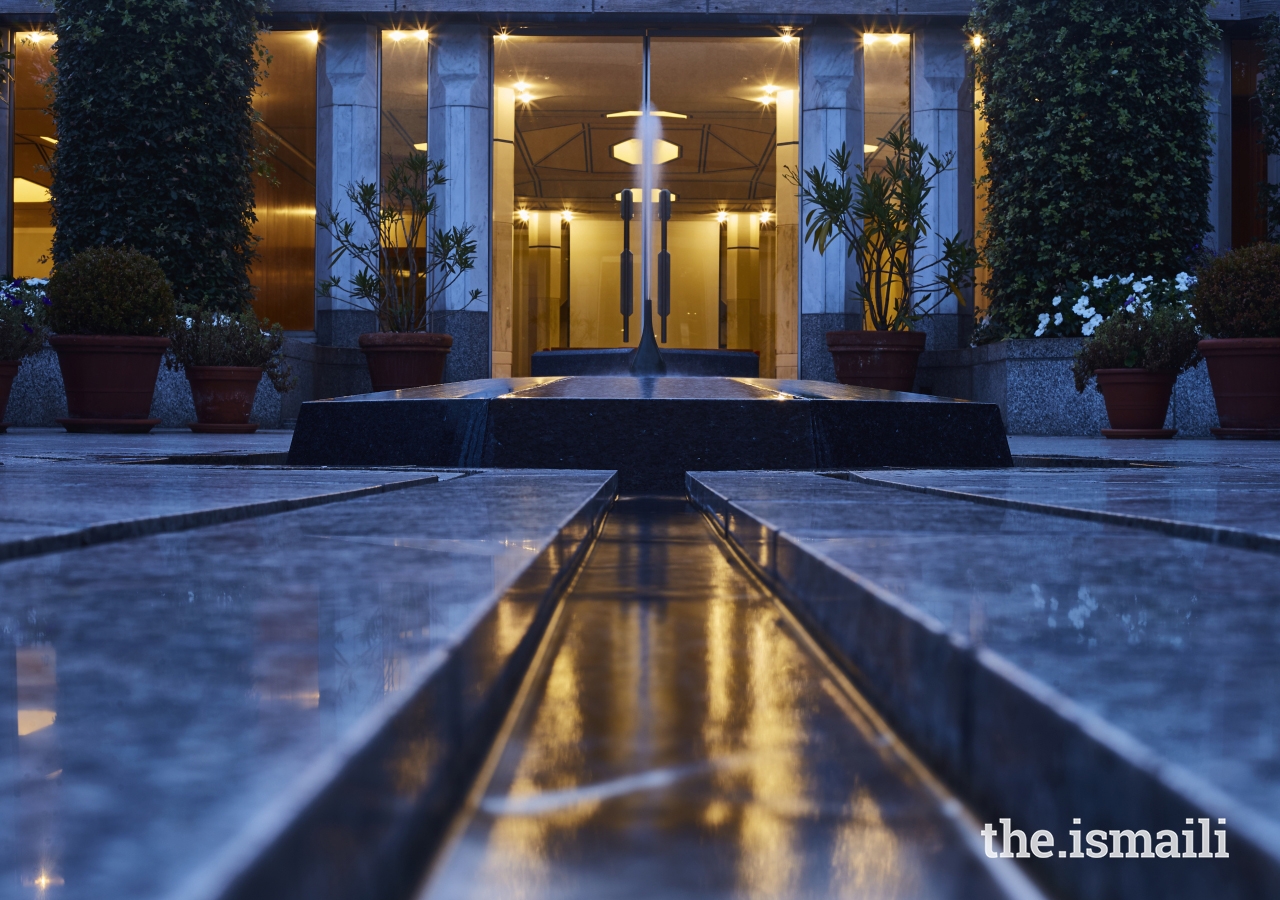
<point x="938" y="75"/>
<point x="832" y="103"/>
<point x="545" y="287"/>
<point x="742" y="278"/>
<point x="1218" y="106"/>
<point x="504" y="199"/>
<point x="460" y="90"/>
<point x="782" y="359"/>
<point x="346" y="152"/>
<point x="6" y="164"/>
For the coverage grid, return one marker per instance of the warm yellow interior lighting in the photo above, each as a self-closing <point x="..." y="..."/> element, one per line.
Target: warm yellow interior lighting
<point x="631" y="152"/>
<point x="976" y="40"/>
<point x="787" y="37"/>
<point x="32" y="720"/>
<point x="766" y="216"/>
<point x="635" y="195"/>
<point x="631" y="113"/>
<point x="771" y="89"/>
<point x="26" y="191"/>
<point x="502" y="36"/>
<point x="49" y="140"/>
<point x="522" y="214"/>
<point x="36" y="37"/>
<point x="397" y="36"/>
<point x="567" y="215"/>
<point x="722" y="217"/>
<point x="895" y="39"/>
<point x="421" y="34"/>
<point x="526" y="97"/>
<point x="421" y="148"/>
<point x="315" y="36"/>
<point x="521" y="85"/>
<point x="870" y="148"/>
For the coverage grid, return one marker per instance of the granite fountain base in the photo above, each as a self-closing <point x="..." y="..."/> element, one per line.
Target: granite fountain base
<point x="650" y="430"/>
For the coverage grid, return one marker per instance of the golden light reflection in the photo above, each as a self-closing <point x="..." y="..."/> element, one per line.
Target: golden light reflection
<point x="867" y="855"/>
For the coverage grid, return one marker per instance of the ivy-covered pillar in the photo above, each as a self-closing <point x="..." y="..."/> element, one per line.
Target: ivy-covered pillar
<point x="346" y="152"/>
<point x="938" y="76"/>
<point x="460" y="91"/>
<point x="831" y="114"/>
<point x="1218" y="107"/>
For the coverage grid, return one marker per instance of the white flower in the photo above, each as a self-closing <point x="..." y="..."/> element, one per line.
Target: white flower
<point x="1183" y="281"/>
<point x="187" y="321"/>
<point x="1057" y="318"/>
<point x="1127" y="280"/>
<point x="1081" y="305"/>
<point x="1044" y="323"/>
<point x="1139" y="287"/>
<point x="1098" y="282"/>
<point x="1088" y="327"/>
<point x="1057" y="300"/>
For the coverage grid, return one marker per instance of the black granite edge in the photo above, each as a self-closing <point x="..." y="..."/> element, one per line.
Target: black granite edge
<point x="1223" y="535"/>
<point x="1008" y="743"/>
<point x="109" y="532"/>
<point x="276" y="458"/>
<point x="365" y="820"/>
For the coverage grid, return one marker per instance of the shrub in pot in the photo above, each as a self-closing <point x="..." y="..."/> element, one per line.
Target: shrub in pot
<point x="1237" y="301"/>
<point x="110" y="311"/>
<point x="1136" y="355"/>
<point x="880" y="214"/>
<point x="22" y="332"/>
<point x="224" y="357"/>
<point x="404" y="269"/>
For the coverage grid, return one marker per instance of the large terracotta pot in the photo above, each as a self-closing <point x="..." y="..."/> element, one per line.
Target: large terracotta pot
<point x="8" y="371"/>
<point x="1137" y="401"/>
<point x="876" y="359"/>
<point x="223" y="397"/>
<point x="399" y="360"/>
<point x="1245" y="374"/>
<point x="109" y="381"/>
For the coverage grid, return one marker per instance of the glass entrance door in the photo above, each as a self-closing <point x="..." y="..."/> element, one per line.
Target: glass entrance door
<point x="570" y="109"/>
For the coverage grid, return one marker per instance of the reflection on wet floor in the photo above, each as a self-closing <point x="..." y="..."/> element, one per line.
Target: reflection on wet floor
<point x="679" y="739"/>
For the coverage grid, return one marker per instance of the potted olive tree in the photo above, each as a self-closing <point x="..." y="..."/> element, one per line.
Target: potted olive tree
<point x="110" y="311"/>
<point x="881" y="217"/>
<point x="1136" y="355"/>
<point x="404" y="266"/>
<point x="1237" y="300"/>
<point x="22" y="332"/>
<point x="224" y="357"/>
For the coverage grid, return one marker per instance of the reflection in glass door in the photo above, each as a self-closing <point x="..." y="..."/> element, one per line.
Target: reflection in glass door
<point x="566" y="115"/>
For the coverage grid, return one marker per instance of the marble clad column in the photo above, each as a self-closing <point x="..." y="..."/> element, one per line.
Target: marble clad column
<point x="782" y="357"/>
<point x="459" y="94"/>
<point x="832" y="110"/>
<point x="938" y="75"/>
<point x="545" y="288"/>
<point x="742" y="278"/>
<point x="504" y="199"/>
<point x="346" y="152"/>
<point x="1218" y="107"/>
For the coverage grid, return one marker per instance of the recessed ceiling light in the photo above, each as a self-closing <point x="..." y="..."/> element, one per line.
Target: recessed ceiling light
<point x="521" y="85"/>
<point x="397" y="36"/>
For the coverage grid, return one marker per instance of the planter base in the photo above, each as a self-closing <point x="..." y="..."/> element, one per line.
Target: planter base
<point x="1139" y="433"/>
<point x="4" y="426"/>
<point x="223" y="428"/>
<point x="1247" y="434"/>
<point x="108" y="426"/>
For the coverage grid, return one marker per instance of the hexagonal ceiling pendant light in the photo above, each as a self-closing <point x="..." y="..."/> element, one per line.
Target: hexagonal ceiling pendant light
<point x="631" y="151"/>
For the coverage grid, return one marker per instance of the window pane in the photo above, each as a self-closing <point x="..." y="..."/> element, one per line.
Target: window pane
<point x="33" y="142"/>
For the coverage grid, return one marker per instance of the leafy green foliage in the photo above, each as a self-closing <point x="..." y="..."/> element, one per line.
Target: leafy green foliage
<point x="405" y="266"/>
<point x="881" y="216"/>
<point x="23" y="309"/>
<point x="205" y="338"/>
<point x="1141" y="336"/>
<point x="1238" y="293"/>
<point x="156" y="138"/>
<point x="1097" y="144"/>
<point x="110" y="291"/>
<point x="1269" y="104"/>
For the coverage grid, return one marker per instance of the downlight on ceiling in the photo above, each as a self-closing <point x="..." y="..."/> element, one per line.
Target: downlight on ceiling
<point x="894" y="39"/>
<point x="631" y="151"/>
<point x="635" y="195"/>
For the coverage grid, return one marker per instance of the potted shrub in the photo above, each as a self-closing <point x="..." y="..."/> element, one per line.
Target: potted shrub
<point x="1237" y="302"/>
<point x="110" y="310"/>
<point x="1136" y="355"/>
<point x="22" y="331"/>
<point x="224" y="358"/>
<point x="403" y="269"/>
<point x="881" y="217"/>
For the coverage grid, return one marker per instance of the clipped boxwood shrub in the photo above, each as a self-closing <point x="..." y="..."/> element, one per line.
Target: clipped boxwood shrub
<point x="110" y="291"/>
<point x="1238" y="294"/>
<point x="156" y="138"/>
<point x="1097" y="145"/>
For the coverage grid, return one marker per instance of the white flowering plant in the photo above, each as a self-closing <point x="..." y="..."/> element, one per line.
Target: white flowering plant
<point x="23" y="304"/>
<point x="207" y="338"/>
<point x="1079" y="312"/>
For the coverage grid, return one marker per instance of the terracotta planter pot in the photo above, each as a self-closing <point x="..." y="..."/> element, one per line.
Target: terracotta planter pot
<point x="110" y="381"/>
<point x="8" y="372"/>
<point x="399" y="360"/>
<point x="1245" y="374"/>
<point x="1137" y="401"/>
<point x="223" y="397"/>
<point x="876" y="359"/>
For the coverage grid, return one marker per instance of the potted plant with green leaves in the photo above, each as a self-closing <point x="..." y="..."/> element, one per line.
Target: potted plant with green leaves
<point x="224" y="357"/>
<point x="1237" y="301"/>
<point x="23" y="303"/>
<point x="403" y="268"/>
<point x="111" y="310"/>
<point x="881" y="216"/>
<point x="1135" y="355"/>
